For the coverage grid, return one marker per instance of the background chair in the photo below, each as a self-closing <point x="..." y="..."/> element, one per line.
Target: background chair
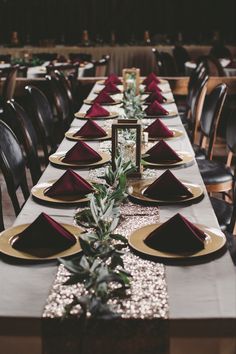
<point x="212" y="65"/>
<point x="18" y="120"/>
<point x="12" y="164"/>
<point x="180" y="55"/>
<point x="9" y="86"/>
<point x="41" y="114"/>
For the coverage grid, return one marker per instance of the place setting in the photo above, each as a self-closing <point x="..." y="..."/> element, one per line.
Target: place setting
<point x="104" y="99"/>
<point x="96" y="112"/>
<point x="90" y="131"/>
<point x="166" y="189"/>
<point x="70" y="188"/>
<point x="43" y="239"/>
<point x="156" y="110"/>
<point x="161" y="155"/>
<point x="157" y="130"/>
<point x="177" y="239"/>
<point x="81" y="155"/>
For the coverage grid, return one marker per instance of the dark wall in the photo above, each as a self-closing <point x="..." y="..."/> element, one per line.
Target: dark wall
<point x="128" y="18"/>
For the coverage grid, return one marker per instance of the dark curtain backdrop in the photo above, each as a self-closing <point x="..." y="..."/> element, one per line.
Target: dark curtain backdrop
<point x="66" y="19"/>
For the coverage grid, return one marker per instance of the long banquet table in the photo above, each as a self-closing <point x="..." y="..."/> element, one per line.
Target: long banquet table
<point x="201" y="298"/>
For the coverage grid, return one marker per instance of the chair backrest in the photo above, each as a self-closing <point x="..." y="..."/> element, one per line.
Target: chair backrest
<point x="42" y="117"/>
<point x="66" y="84"/>
<point x="45" y="56"/>
<point x="20" y="123"/>
<point x="210" y="117"/>
<point x="9" y="84"/>
<point x="80" y="57"/>
<point x="231" y="136"/>
<point x="196" y="106"/>
<point x="169" y="67"/>
<point x="1" y="213"/>
<point x="12" y="164"/>
<point x="181" y="56"/>
<point x="60" y="101"/>
<point x="212" y="65"/>
<point x="101" y="66"/>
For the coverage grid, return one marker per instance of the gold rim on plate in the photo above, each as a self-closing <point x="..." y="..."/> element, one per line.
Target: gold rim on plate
<point x="7" y="236"/>
<point x="90" y="102"/>
<point x="137" y="188"/>
<point x="56" y="159"/>
<point x="39" y="190"/>
<point x="70" y="135"/>
<point x="171" y="114"/>
<point x="80" y="115"/>
<point x="177" y="134"/>
<point x="215" y="240"/>
<point x="186" y="157"/>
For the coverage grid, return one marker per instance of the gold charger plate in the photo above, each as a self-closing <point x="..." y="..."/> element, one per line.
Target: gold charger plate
<point x="86" y="101"/>
<point x="83" y="116"/>
<point x="137" y="189"/>
<point x="186" y="157"/>
<point x="56" y="159"/>
<point x="39" y="190"/>
<point x="70" y="135"/>
<point x="7" y="237"/>
<point x="177" y="134"/>
<point x="171" y="114"/>
<point x="215" y="240"/>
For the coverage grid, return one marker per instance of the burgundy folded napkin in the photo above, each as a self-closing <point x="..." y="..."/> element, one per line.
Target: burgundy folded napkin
<point x="156" y="109"/>
<point x="91" y="130"/>
<point x="151" y="77"/>
<point x="162" y="153"/>
<point x="231" y="65"/>
<point x="70" y="183"/>
<point x="114" y="79"/>
<point x="44" y="237"/>
<point x="177" y="235"/>
<point x="159" y="130"/>
<point x="155" y="96"/>
<point x="111" y="88"/>
<point x="167" y="186"/>
<point x="102" y="98"/>
<point x="96" y="111"/>
<point x="152" y="87"/>
<point x="81" y="152"/>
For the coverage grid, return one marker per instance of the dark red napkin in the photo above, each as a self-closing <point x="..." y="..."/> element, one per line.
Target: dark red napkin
<point x="114" y="79"/>
<point x="152" y="87"/>
<point x="158" y="130"/>
<point x="167" y="186"/>
<point x="156" y="109"/>
<point x="162" y="153"/>
<point x="151" y="77"/>
<point x="231" y="65"/>
<point x="102" y="98"/>
<point x="177" y="235"/>
<point x="70" y="183"/>
<point x="96" y="111"/>
<point x="155" y="96"/>
<point x="81" y="152"/>
<point x="91" y="130"/>
<point x="44" y="237"/>
<point x="111" y="88"/>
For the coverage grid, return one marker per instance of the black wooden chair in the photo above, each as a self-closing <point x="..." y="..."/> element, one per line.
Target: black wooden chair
<point x="41" y="114"/>
<point x="212" y="65"/>
<point x="9" y="86"/>
<point x="61" y="103"/>
<point x="17" y="118"/>
<point x="216" y="176"/>
<point x="196" y="106"/>
<point x="12" y="163"/>
<point x="1" y="213"/>
<point x="181" y="56"/>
